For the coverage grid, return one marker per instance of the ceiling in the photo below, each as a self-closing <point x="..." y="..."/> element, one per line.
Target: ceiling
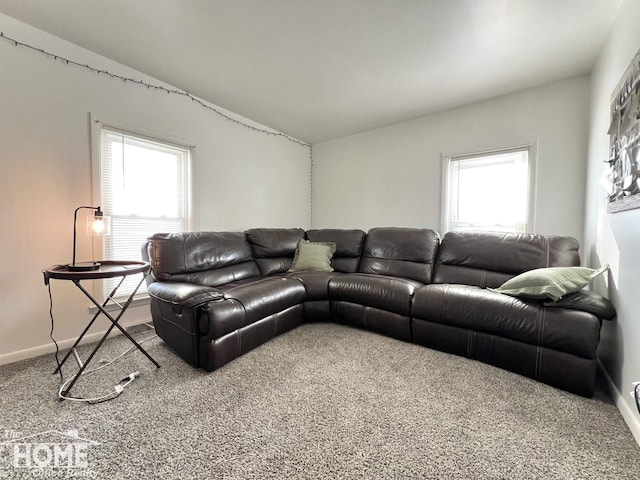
<point x="322" y="69"/>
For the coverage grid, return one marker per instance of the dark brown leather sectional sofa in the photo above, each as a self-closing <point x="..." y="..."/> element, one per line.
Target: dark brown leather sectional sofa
<point x="218" y="295"/>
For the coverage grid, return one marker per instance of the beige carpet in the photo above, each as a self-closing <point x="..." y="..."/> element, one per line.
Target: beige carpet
<point x="321" y="402"/>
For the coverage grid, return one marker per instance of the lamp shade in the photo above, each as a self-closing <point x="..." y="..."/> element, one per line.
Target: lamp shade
<point x="98" y="225"/>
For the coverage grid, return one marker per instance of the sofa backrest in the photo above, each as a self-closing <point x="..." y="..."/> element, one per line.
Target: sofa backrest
<point x="349" y="244"/>
<point x="203" y="258"/>
<point x="488" y="259"/>
<point x="273" y="248"/>
<point x="400" y="252"/>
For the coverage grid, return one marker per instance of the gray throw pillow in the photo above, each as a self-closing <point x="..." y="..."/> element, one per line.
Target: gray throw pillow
<point x="549" y="283"/>
<point x="313" y="257"/>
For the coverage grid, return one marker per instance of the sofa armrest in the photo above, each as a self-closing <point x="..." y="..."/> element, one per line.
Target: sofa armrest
<point x="184" y="295"/>
<point x="586" y="301"/>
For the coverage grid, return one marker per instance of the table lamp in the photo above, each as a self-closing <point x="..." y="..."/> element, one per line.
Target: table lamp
<point x="98" y="225"/>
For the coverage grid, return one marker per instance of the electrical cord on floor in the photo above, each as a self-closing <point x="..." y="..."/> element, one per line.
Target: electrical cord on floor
<point x="117" y="389"/>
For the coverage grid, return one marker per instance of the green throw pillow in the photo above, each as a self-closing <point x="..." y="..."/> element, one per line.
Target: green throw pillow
<point x="313" y="257"/>
<point x="553" y="282"/>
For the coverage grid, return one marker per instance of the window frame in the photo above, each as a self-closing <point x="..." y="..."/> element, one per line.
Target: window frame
<point x="98" y="122"/>
<point x="447" y="159"/>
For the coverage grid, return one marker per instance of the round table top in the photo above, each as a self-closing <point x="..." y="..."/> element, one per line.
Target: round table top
<point x="107" y="269"/>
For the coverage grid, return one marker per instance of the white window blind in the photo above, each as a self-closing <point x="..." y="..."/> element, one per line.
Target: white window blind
<point x="145" y="190"/>
<point x="488" y="191"/>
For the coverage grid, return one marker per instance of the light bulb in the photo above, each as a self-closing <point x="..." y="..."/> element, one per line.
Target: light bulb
<point x="98" y="226"/>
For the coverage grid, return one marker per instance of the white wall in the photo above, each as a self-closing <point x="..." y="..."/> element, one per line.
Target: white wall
<point x="615" y="238"/>
<point x="392" y="176"/>
<point x="243" y="178"/>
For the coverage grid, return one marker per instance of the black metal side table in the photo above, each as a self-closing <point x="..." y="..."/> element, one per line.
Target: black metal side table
<point x="107" y="269"/>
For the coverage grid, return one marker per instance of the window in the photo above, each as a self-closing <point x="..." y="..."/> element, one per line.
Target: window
<point x="144" y="187"/>
<point x="488" y="191"/>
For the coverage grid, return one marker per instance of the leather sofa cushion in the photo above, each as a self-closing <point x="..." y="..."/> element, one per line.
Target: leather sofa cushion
<point x="349" y="244"/>
<point x="400" y="252"/>
<point x="265" y="296"/>
<point x="371" y="318"/>
<point x="387" y="293"/>
<point x="219" y="350"/>
<point x="586" y="301"/>
<point x="561" y="369"/>
<point x="273" y="248"/>
<point x="316" y="284"/>
<point x="221" y="318"/>
<point x="184" y="295"/>
<point x="203" y="258"/>
<point x="488" y="259"/>
<point x="481" y="310"/>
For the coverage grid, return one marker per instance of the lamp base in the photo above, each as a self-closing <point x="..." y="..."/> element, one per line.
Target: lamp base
<point x="83" y="266"/>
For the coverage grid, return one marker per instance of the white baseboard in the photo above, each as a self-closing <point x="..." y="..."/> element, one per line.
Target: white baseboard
<point x="49" y="347"/>
<point x="630" y="416"/>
